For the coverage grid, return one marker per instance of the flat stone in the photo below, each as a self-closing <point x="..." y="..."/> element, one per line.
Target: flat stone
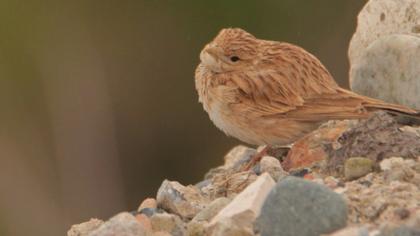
<point x="379" y="18"/>
<point x="185" y="201"/>
<point x="85" y="228"/>
<point x="168" y="223"/>
<point x="272" y="166"/>
<point x="388" y="70"/>
<point x="123" y="224"/>
<point x="301" y="207"/>
<point x="356" y="167"/>
<point x="229" y="227"/>
<point x="246" y="206"/>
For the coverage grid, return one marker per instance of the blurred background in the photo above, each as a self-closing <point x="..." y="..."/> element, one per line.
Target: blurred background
<point x="97" y="98"/>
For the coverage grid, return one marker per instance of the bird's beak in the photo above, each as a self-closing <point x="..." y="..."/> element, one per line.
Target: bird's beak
<point x="208" y="55"/>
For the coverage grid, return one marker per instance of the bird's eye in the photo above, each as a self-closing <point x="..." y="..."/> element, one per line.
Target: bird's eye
<point x="234" y="58"/>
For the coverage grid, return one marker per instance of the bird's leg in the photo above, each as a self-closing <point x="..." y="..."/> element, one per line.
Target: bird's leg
<point x="257" y="157"/>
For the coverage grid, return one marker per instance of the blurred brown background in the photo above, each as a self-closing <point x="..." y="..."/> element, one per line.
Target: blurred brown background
<point x="97" y="99"/>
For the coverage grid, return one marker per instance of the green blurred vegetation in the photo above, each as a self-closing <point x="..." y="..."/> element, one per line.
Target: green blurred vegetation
<point x="98" y="103"/>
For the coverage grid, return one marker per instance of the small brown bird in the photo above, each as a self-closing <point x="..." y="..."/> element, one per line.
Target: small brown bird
<point x="273" y="93"/>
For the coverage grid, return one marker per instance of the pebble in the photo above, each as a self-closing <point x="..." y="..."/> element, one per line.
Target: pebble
<point x="148" y="203"/>
<point x="185" y="201"/>
<point x="123" y="224"/>
<point x="168" y="223"/>
<point x="356" y="167"/>
<point x="273" y="167"/>
<point x="85" y="228"/>
<point x="301" y="207"/>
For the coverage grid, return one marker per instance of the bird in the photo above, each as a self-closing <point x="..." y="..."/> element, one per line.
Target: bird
<point x="273" y="93"/>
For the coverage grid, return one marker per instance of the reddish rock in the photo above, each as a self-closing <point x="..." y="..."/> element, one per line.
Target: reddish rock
<point x="310" y="149"/>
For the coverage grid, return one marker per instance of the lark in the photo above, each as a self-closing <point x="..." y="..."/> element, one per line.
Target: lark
<point x="272" y="93"/>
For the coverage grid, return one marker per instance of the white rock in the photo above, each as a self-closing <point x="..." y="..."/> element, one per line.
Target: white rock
<point x="390" y="163"/>
<point x="123" y="224"/>
<point x="389" y="69"/>
<point x="246" y="206"/>
<point x="384" y="17"/>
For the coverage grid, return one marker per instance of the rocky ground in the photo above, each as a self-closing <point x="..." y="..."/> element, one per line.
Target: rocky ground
<point x="352" y="178"/>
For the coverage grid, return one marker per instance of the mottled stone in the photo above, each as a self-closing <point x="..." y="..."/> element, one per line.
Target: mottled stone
<point x="388" y="69"/>
<point x="168" y="223"/>
<point x="246" y="206"/>
<point x="311" y="148"/>
<point x="356" y="167"/>
<point x="379" y="18"/>
<point x="401" y="231"/>
<point x="301" y="207"/>
<point x="85" y="228"/>
<point x="229" y="227"/>
<point x="185" y="201"/>
<point x="123" y="224"/>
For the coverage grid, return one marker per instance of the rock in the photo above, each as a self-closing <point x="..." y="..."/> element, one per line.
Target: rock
<point x="238" y="156"/>
<point x="144" y="221"/>
<point x="168" y="223"/>
<point x="401" y="231"/>
<point x="356" y="167"/>
<point x="311" y="148"/>
<point x="273" y="167"/>
<point x="352" y="231"/>
<point x="123" y="224"/>
<point x="379" y="18"/>
<point x="229" y="227"/>
<point x="391" y="163"/>
<point x="178" y="199"/>
<point x="389" y="70"/>
<point x="196" y="228"/>
<point x="85" y="228"/>
<point x="245" y="207"/>
<point x="301" y="207"/>
<point x="375" y="138"/>
<point x="148" y="203"/>
<point x="212" y="209"/>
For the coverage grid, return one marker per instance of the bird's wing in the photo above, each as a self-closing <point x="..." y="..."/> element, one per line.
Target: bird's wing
<point x="270" y="93"/>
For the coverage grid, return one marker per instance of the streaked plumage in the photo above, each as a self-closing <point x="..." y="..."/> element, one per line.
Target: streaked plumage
<point x="268" y="92"/>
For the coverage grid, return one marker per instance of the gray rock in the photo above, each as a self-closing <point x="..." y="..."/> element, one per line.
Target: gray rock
<point x="300" y="207"/>
<point x="379" y="18"/>
<point x="123" y="224"/>
<point x="389" y="70"/>
<point x="185" y="201"/>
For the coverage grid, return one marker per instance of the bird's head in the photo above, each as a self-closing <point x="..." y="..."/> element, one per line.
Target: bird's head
<point x="232" y="49"/>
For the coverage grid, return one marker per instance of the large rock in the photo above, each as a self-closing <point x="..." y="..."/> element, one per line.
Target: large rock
<point x="245" y="207"/>
<point x="300" y="207"/>
<point x="389" y="69"/>
<point x="383" y="17"/>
